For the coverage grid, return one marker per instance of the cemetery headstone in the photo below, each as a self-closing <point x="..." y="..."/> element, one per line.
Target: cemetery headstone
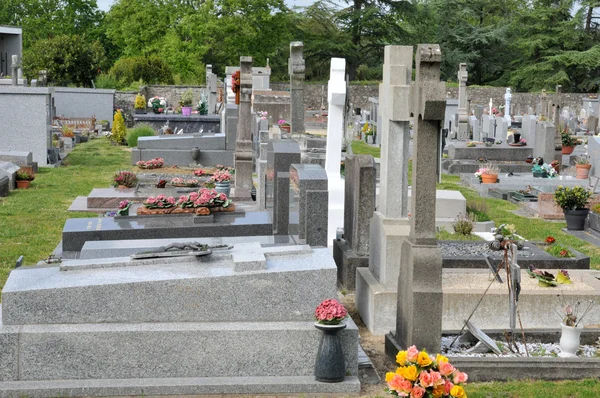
<point x="309" y="203"/>
<point x="296" y="70"/>
<point x="14" y="67"/>
<point x="243" y="148"/>
<point x="593" y="124"/>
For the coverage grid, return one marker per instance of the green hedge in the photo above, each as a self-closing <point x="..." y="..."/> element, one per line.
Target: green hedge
<point x="139" y="130"/>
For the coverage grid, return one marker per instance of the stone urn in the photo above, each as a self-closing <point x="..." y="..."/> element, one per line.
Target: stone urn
<point x="195" y="152"/>
<point x="569" y="340"/>
<point x="330" y="365"/>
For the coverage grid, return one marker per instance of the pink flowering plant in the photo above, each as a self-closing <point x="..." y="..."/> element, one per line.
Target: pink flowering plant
<point x="220" y="167"/>
<point x="422" y="375"/>
<point x="199" y="172"/>
<point x="160" y="202"/>
<point x="156" y="163"/>
<point x="283" y="122"/>
<point x="330" y="312"/>
<point x="125" y="178"/>
<point x="180" y="182"/>
<point x="203" y="198"/>
<point x="221" y="176"/>
<point x="123" y="209"/>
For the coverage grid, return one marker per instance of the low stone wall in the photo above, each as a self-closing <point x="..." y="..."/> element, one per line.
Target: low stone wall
<point x="315" y="96"/>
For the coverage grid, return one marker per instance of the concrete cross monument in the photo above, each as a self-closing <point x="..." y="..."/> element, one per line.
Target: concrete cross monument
<point x="507" y="101"/>
<point x="296" y="71"/>
<point x="243" y="147"/>
<point x="463" y="117"/>
<point x="389" y="224"/>
<point x="419" y="305"/>
<point x="14" y="74"/>
<point x="336" y="97"/>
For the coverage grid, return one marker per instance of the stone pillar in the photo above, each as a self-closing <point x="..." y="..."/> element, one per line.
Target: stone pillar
<point x="14" y="74"/>
<point x="211" y="87"/>
<point x="243" y="147"/>
<point x="556" y="117"/>
<point x="336" y="98"/>
<point x="296" y="72"/>
<point x="419" y="314"/>
<point x="507" y="101"/>
<point x="463" y="116"/>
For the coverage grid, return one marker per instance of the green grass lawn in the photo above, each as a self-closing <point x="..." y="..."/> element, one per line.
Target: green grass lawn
<point x="31" y="220"/>
<point x="535" y="389"/>
<point x="362" y="148"/>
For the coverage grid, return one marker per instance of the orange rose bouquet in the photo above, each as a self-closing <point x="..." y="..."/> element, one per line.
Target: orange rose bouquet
<point x="422" y="375"/>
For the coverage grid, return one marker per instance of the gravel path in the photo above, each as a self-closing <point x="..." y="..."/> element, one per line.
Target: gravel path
<point x="459" y="249"/>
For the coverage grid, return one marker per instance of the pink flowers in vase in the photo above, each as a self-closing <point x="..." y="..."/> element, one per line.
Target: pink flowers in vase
<point x="330" y="312"/>
<point x="221" y="176"/>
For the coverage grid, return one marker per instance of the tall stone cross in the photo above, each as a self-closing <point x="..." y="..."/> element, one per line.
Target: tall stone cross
<point x="296" y="71"/>
<point x="243" y="147"/>
<point x="14" y="73"/>
<point x="463" y="116"/>
<point x="419" y="306"/>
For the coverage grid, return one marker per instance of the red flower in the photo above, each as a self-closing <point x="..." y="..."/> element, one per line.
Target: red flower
<point x="550" y="240"/>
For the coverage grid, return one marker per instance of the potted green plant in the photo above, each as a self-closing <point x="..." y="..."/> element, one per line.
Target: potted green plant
<point x="125" y="179"/>
<point x="139" y="104"/>
<point x="187" y="98"/>
<point x="573" y="202"/>
<point x="24" y="179"/>
<point x="568" y="143"/>
<point x="583" y="166"/>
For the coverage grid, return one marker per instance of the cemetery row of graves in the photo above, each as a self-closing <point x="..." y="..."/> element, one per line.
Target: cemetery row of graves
<point x="234" y="243"/>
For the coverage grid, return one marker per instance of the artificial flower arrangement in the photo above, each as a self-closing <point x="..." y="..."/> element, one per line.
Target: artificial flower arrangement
<point x="180" y="182"/>
<point x="471" y="144"/>
<point x="263" y="115"/>
<point x="422" y="375"/>
<point x="508" y="231"/>
<point x="540" y="167"/>
<point x="123" y="209"/>
<point x="221" y="176"/>
<point x="221" y="167"/>
<point x="546" y="279"/>
<point x="487" y="170"/>
<point x="157" y="103"/>
<point x="199" y="172"/>
<point x="160" y="202"/>
<point x="571" y="312"/>
<point x="330" y="312"/>
<point x="567" y="140"/>
<point x="283" y="123"/>
<point x="203" y="198"/>
<point x="140" y="102"/>
<point x="155" y="163"/>
<point x="125" y="178"/>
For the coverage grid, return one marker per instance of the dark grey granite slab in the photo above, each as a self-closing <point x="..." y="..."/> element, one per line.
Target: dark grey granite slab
<point x="79" y="230"/>
<point x="189" y="124"/>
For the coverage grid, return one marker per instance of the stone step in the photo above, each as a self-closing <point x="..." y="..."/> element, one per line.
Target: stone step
<point x="178" y="386"/>
<point x="285" y="284"/>
<point x="165" y="350"/>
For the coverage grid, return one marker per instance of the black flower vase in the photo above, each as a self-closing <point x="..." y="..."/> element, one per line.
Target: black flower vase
<point x="330" y="365"/>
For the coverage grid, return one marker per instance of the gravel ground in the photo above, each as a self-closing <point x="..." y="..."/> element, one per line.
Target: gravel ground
<point x="459" y="249"/>
<point x="535" y="349"/>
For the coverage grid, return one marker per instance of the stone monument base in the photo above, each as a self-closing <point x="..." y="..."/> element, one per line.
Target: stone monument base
<point x="347" y="262"/>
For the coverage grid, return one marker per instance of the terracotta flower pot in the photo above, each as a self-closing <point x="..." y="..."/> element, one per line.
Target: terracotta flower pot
<point x="23" y="184"/>
<point x="583" y="170"/>
<point x="567" y="150"/>
<point x="287" y="129"/>
<point x="489" y="178"/>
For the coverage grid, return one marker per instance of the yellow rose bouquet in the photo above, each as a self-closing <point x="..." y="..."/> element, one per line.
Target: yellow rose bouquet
<point x="422" y="375"/>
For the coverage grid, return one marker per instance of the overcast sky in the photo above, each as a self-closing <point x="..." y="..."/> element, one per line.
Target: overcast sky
<point x="105" y="4"/>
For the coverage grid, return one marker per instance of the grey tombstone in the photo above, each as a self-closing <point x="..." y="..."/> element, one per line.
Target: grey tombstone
<point x="463" y="127"/>
<point x="528" y="128"/>
<point x="488" y="126"/>
<point x="420" y="299"/>
<point x="309" y="203"/>
<point x="594" y="155"/>
<point x="592" y="124"/>
<point x="10" y="171"/>
<point x="501" y="128"/>
<point x="14" y="67"/>
<point x="211" y="85"/>
<point x="556" y="108"/>
<point x="4" y="184"/>
<point x="475" y="127"/>
<point x="261" y="169"/>
<point x="544" y="141"/>
<point x="359" y="205"/>
<point x="280" y="155"/>
<point x="243" y="147"/>
<point x="296" y="70"/>
<point x="451" y="109"/>
<point x="261" y="78"/>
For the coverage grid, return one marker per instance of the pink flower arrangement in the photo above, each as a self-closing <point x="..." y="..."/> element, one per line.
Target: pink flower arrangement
<point x="422" y="375"/>
<point x="330" y="312"/>
<point x="124" y="204"/>
<point x="125" y="178"/>
<point x="199" y="172"/>
<point x="156" y="163"/>
<point x="180" y="182"/>
<point x="203" y="198"/>
<point x="160" y="202"/>
<point x="221" y="176"/>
